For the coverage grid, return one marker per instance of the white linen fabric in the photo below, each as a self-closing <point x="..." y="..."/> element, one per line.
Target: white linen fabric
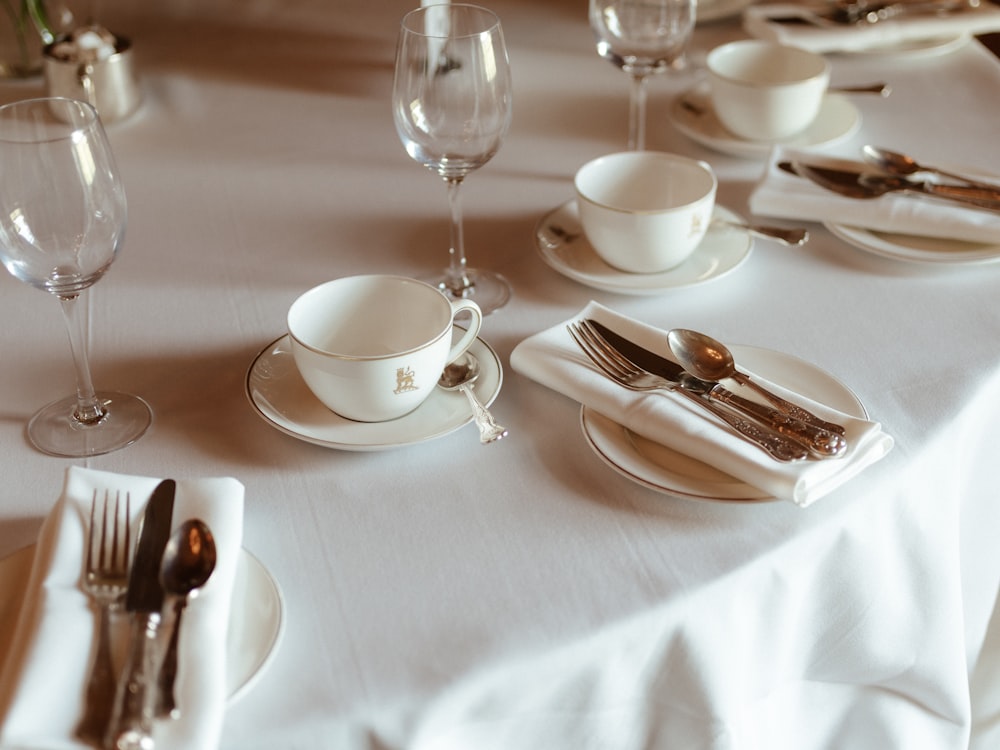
<point x="784" y="195"/>
<point x="554" y="359"/>
<point x="55" y="630"/>
<point x="759" y="21"/>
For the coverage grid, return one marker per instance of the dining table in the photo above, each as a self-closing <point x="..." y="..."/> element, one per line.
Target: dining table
<point x="535" y="592"/>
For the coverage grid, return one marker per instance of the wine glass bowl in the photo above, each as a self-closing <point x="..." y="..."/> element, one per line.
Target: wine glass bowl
<point x="62" y="220"/>
<point x="642" y="37"/>
<point x="451" y="105"/>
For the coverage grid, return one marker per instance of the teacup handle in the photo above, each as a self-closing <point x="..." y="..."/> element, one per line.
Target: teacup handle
<point x="458" y="306"/>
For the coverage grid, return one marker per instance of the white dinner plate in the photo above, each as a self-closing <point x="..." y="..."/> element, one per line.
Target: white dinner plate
<point x="255" y="620"/>
<point x="920" y="249"/>
<point x="282" y="399"/>
<point x="928" y="47"/>
<point x="662" y="469"/>
<point x="693" y="114"/>
<point x="560" y="241"/>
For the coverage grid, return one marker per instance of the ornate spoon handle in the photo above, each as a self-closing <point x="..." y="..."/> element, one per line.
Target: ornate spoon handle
<point x="489" y="430"/>
<point x="777" y="446"/>
<point x="788" y="407"/>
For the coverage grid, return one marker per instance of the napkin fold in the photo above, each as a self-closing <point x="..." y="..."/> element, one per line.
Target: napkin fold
<point x="553" y="359"/>
<point x="44" y="674"/>
<point x="789" y="196"/>
<point x="758" y="21"/>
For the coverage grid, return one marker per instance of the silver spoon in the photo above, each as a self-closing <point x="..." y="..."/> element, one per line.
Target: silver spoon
<point x="459" y="376"/>
<point x="880" y="88"/>
<point x="709" y="359"/>
<point x="556" y="235"/>
<point x="793" y="237"/>
<point x="904" y="165"/>
<point x="188" y="563"/>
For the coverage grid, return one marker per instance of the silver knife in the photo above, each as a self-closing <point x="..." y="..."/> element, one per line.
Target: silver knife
<point x="864" y="183"/>
<point x="131" y="724"/>
<point x="821" y="443"/>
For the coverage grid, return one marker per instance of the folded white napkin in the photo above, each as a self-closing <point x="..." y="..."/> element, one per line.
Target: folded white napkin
<point x="789" y="196"/>
<point x="554" y="359"/>
<point x="757" y="21"/>
<point x="43" y="676"/>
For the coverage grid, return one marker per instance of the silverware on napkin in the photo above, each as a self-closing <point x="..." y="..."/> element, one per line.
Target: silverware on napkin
<point x="865" y="13"/>
<point x="861" y="182"/>
<point x="135" y="698"/>
<point x="819" y="442"/>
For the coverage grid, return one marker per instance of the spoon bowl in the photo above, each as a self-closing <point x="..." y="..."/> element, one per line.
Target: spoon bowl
<point x="188" y="562"/>
<point x="459" y="376"/>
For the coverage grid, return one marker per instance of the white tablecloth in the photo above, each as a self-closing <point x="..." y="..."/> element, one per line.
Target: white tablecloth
<point x="524" y="595"/>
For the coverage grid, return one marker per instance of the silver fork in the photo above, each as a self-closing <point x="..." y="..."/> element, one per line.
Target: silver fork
<point x="105" y="580"/>
<point x="626" y="373"/>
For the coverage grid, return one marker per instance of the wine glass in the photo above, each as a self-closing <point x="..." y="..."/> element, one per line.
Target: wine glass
<point x="642" y="37"/>
<point x="451" y="102"/>
<point x="62" y="219"/>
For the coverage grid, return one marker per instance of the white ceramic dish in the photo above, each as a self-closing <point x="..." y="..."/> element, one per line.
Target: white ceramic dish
<point x="692" y="114"/>
<point x="562" y="245"/>
<point x="929" y="47"/>
<point x="281" y="398"/>
<point x="664" y="470"/>
<point x="255" y="624"/>
<point x="908" y="247"/>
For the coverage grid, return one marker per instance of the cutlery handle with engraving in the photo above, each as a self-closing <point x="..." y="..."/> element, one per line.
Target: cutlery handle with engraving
<point x="131" y="726"/>
<point x="792" y="410"/>
<point x="820" y="442"/>
<point x="777" y="446"/>
<point x="981" y="196"/>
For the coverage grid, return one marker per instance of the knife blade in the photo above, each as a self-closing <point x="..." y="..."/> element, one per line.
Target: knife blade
<point x="135" y="698"/>
<point x="863" y="183"/>
<point x="822" y="443"/>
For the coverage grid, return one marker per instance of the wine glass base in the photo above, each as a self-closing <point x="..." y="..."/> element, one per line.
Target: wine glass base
<point x="55" y="431"/>
<point x="489" y="290"/>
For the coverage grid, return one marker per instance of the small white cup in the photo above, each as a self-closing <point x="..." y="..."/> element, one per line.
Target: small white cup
<point x="372" y="348"/>
<point x="645" y="211"/>
<point x="763" y="91"/>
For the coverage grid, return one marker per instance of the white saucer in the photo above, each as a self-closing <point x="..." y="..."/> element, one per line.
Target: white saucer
<point x="560" y="241"/>
<point x="692" y="113"/>
<point x="659" y="468"/>
<point x="920" y="249"/>
<point x="255" y="622"/>
<point x="283" y="400"/>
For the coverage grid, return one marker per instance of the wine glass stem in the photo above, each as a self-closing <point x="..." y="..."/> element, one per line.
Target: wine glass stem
<point x="637" y="113"/>
<point x="456" y="281"/>
<point x="89" y="409"/>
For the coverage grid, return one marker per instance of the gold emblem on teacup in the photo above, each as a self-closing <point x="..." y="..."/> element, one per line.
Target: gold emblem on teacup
<point x="404" y="380"/>
<point x="696" y="225"/>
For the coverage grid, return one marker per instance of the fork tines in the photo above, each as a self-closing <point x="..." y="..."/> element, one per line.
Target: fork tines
<point x="117" y="556"/>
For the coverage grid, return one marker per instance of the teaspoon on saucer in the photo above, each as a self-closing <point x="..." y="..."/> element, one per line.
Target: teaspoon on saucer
<point x="459" y="376"/>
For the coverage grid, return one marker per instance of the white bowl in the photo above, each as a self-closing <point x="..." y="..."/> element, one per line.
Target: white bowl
<point x="645" y="211"/>
<point x="763" y="91"/>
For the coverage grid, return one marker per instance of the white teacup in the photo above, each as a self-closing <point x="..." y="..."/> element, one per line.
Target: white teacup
<point x="645" y="211"/>
<point x="764" y="91"/>
<point x="372" y="348"/>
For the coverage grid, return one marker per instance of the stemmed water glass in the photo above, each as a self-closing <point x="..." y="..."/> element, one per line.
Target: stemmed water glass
<point x="62" y="220"/>
<point x="451" y="103"/>
<point x="641" y="37"/>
